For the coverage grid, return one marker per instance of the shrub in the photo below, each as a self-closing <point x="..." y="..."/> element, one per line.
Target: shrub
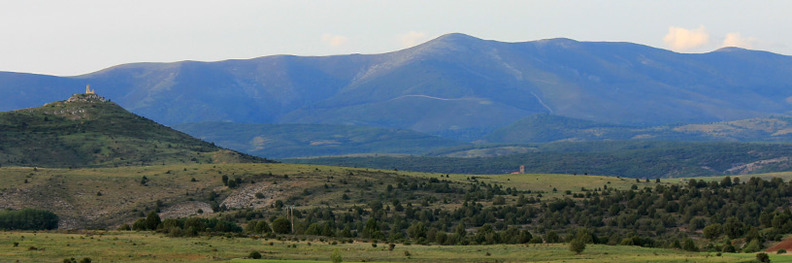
<point x="577" y="245"/>
<point x="254" y="255"/>
<point x="728" y="248"/>
<point x="781" y="251"/>
<point x="281" y="226"/>
<point x="336" y="256"/>
<point x="753" y="246"/>
<point x="689" y="245"/>
<point x="762" y="257"/>
<point x="152" y="221"/>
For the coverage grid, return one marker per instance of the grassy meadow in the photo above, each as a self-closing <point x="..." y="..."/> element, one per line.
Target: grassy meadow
<point x="114" y="246"/>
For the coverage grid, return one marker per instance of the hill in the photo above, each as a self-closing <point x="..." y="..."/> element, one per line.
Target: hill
<point x="88" y="131"/>
<point x="297" y="140"/>
<point x="455" y="86"/>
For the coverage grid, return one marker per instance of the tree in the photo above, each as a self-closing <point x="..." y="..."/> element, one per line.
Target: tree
<point x="577" y="245"/>
<point x="552" y="237"/>
<point x="712" y="231"/>
<point x="689" y="245"/>
<point x="281" y="226"/>
<point x="762" y="257"/>
<point x="753" y="246"/>
<point x="153" y="221"/>
<point x="733" y="228"/>
<point x="255" y="255"/>
<point x="417" y="230"/>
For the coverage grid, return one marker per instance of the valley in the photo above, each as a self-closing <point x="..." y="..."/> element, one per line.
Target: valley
<point x="456" y="150"/>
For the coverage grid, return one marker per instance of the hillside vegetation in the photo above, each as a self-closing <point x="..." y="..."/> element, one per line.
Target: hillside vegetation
<point x="87" y="131"/>
<point x="635" y="159"/>
<point x="549" y="128"/>
<point x="406" y="207"/>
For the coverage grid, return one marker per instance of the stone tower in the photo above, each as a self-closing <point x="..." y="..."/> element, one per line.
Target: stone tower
<point x="88" y="90"/>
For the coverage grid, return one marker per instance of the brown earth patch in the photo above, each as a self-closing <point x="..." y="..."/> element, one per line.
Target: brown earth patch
<point x="785" y="244"/>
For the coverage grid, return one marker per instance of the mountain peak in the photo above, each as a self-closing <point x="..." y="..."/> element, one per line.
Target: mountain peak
<point x="455" y="37"/>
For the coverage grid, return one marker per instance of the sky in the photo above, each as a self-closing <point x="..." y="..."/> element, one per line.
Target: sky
<point x="75" y="37"/>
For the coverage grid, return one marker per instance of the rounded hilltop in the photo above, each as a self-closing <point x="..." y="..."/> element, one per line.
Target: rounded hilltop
<point x="89" y="96"/>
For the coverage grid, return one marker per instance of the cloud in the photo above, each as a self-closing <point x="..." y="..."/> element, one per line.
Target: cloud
<point x="412" y="38"/>
<point x="334" y="40"/>
<point x="736" y="40"/>
<point x="682" y="39"/>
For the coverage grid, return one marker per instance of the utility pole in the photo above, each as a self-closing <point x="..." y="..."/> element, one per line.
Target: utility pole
<point x="290" y="215"/>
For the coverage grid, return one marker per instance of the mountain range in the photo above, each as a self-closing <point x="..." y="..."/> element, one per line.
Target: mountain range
<point x="456" y="87"/>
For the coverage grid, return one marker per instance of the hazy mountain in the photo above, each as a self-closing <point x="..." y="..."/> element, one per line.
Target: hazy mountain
<point x="87" y="131"/>
<point x="296" y="140"/>
<point x="550" y="128"/>
<point x="455" y="86"/>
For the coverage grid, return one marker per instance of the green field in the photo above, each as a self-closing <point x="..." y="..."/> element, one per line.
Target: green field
<point x="114" y="246"/>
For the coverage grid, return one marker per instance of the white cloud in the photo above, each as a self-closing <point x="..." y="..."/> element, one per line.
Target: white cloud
<point x="334" y="40"/>
<point x="412" y="38"/>
<point x="736" y="40"/>
<point x="682" y="39"/>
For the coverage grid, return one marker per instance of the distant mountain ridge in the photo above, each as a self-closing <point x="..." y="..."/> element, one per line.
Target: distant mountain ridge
<point x="455" y="86"/>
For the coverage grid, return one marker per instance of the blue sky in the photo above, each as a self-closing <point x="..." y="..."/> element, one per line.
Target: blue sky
<point x="78" y="37"/>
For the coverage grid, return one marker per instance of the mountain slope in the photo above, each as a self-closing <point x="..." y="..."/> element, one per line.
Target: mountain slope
<point x="634" y="159"/>
<point x="549" y="128"/>
<point x="455" y="86"/>
<point x="299" y="140"/>
<point x="88" y="131"/>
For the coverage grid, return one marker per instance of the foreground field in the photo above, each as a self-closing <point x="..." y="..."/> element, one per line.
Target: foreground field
<point x="116" y="246"/>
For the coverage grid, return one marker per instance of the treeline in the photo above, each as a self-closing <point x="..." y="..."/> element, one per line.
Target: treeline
<point x="183" y="227"/>
<point x="28" y="219"/>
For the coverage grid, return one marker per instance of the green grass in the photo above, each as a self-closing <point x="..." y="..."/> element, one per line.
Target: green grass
<point x="151" y="247"/>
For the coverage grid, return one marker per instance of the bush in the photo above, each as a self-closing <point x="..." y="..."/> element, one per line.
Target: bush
<point x="753" y="246"/>
<point x="781" y="251"/>
<point x="689" y="245"/>
<point x="336" y="256"/>
<point x="762" y="257"/>
<point x="254" y="255"/>
<point x="728" y="248"/>
<point x="281" y="226"/>
<point x="577" y="245"/>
